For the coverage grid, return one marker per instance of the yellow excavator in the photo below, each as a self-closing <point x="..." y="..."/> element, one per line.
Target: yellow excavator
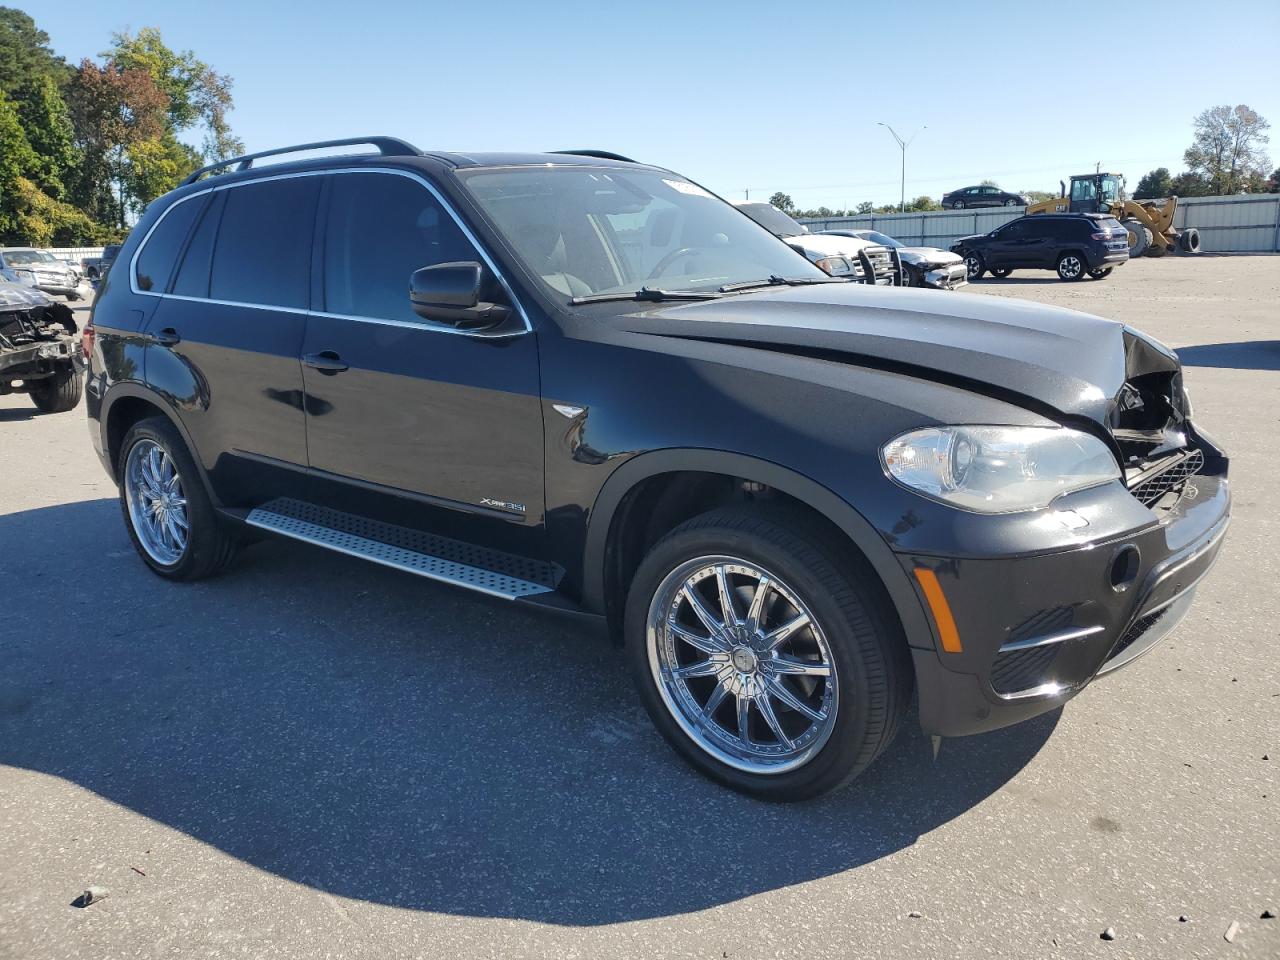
<point x="1149" y="222"/>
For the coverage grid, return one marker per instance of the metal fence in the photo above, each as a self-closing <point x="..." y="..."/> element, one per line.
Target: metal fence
<point x="1244" y="224"/>
<point x="75" y="254"/>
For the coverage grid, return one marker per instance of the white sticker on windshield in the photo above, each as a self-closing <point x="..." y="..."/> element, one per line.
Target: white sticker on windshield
<point x="684" y="186"/>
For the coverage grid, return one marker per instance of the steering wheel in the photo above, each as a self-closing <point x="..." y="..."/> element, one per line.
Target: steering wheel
<point x="660" y="267"/>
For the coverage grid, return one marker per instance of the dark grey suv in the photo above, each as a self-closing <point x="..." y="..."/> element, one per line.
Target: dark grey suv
<point x="1074" y="245"/>
<point x="584" y="384"/>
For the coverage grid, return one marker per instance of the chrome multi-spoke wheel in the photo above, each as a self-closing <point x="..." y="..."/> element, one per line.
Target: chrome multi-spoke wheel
<point x="742" y="664"/>
<point x="156" y="501"/>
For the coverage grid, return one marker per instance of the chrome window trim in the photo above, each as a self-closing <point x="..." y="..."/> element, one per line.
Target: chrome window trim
<point x="407" y="324"/>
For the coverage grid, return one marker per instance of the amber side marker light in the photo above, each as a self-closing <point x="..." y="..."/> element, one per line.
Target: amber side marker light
<point x="940" y="608"/>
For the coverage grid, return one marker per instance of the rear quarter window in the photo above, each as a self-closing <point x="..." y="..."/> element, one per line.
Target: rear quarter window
<point x="163" y="245"/>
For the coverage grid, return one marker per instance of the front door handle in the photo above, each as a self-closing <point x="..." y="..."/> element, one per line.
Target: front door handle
<point x="167" y="337"/>
<point x="326" y="361"/>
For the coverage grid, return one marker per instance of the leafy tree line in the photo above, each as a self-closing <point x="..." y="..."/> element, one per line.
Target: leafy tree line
<point x="84" y="149"/>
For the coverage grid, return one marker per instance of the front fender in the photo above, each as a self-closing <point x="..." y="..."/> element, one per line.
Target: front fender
<point x="600" y="522"/>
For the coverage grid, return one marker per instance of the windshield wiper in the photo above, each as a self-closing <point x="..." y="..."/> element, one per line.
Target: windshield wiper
<point x="648" y="294"/>
<point x="777" y="281"/>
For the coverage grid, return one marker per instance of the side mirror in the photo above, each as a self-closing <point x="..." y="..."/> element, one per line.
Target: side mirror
<point x="454" y="293"/>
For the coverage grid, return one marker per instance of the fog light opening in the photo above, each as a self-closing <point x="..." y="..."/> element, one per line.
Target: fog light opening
<point x="1124" y="568"/>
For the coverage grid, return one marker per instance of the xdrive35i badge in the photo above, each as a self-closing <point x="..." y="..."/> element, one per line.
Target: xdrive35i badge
<point x="506" y="505"/>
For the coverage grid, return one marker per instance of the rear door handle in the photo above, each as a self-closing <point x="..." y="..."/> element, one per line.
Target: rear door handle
<point x="326" y="361"/>
<point x="167" y="337"/>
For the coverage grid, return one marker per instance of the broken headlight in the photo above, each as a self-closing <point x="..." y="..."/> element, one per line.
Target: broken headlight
<point x="998" y="469"/>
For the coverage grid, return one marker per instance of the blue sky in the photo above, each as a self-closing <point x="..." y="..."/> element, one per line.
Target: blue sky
<point x="736" y="95"/>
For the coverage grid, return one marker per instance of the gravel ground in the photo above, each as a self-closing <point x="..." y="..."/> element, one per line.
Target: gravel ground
<point x="313" y="757"/>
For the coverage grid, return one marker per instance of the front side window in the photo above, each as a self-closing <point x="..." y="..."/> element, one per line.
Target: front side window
<point x="1082" y="190"/>
<point x="380" y="229"/>
<point x="263" y="251"/>
<point x="586" y="230"/>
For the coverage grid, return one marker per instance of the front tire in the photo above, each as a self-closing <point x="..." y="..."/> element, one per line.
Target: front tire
<point x="1071" y="266"/>
<point x="1139" y="237"/>
<point x="974" y="266"/>
<point x="167" y="512"/>
<point x="58" y="393"/>
<point x="765" y="655"/>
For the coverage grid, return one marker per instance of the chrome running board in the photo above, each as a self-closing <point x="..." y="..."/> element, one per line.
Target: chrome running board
<point x="426" y="555"/>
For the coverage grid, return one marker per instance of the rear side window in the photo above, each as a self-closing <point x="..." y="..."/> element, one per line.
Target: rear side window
<point x="160" y="252"/>
<point x="193" y="275"/>
<point x="263" y="251"/>
<point x="380" y="229"/>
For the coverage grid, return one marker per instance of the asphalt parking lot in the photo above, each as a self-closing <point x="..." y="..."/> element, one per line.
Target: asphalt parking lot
<point x="314" y="757"/>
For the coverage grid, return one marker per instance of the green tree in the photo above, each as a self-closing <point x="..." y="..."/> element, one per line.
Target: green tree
<point x="27" y="214"/>
<point x="1154" y="185"/>
<point x="783" y="202"/>
<point x="1273" y="183"/>
<point x="1229" y="145"/>
<point x="866" y="206"/>
<point x="1188" y="184"/>
<point x="923" y="204"/>
<point x="1040" y="196"/>
<point x="197" y="93"/>
<point x="45" y="120"/>
<point x="25" y="53"/>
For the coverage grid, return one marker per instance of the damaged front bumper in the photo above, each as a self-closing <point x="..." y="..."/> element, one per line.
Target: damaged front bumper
<point x="1032" y="630"/>
<point x="950" y="276"/>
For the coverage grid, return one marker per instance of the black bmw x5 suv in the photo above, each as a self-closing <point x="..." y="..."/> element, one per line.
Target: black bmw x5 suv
<point x="587" y="384"/>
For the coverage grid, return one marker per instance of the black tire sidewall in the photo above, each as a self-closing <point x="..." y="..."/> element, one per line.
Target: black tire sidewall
<point x="58" y="393"/>
<point x="977" y="273"/>
<point x="852" y="625"/>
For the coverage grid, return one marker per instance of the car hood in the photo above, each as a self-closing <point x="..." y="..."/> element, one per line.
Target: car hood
<point x="930" y="255"/>
<point x="18" y="296"/>
<point x="1044" y="358"/>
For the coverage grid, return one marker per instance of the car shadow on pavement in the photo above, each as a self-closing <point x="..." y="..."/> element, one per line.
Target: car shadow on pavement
<point x="1247" y="355"/>
<point x="384" y="738"/>
<point x="14" y="414"/>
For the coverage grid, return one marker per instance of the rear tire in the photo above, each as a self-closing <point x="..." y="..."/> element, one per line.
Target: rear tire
<point x="1012" y="203"/>
<point x="209" y="546"/>
<point x="855" y="707"/>
<point x="1139" y="237"/>
<point x="1071" y="266"/>
<point x="58" y="393"/>
<point x="1001" y="272"/>
<point x="957" y="204"/>
<point x="1101" y="273"/>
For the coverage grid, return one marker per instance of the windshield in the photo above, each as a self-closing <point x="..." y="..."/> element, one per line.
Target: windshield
<point x="875" y="236"/>
<point x="1110" y="188"/>
<point x="773" y="219"/>
<point x="587" y="231"/>
<point x="26" y="256"/>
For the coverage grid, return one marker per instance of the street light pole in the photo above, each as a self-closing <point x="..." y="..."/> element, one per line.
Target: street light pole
<point x="902" y="145"/>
